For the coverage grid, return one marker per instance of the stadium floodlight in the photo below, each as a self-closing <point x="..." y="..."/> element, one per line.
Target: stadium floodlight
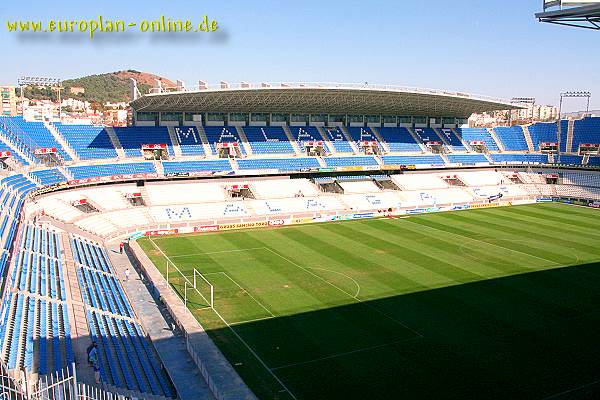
<point x="41" y="81"/>
<point x="576" y="13"/>
<point x="563" y="95"/>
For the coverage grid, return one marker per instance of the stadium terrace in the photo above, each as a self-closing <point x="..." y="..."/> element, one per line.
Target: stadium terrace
<point x="364" y="221"/>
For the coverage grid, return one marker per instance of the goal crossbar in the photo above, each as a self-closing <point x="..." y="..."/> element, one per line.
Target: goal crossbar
<point x="191" y="284"/>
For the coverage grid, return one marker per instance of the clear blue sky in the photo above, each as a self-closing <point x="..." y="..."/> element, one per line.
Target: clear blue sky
<point x="492" y="47"/>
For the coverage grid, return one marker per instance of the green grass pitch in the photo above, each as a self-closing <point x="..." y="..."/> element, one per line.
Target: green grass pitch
<point x="489" y="303"/>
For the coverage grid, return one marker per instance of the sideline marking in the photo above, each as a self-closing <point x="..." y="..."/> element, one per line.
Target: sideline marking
<point x="377" y="346"/>
<point x="554" y="396"/>
<point x="216" y="252"/>
<point x="250" y="349"/>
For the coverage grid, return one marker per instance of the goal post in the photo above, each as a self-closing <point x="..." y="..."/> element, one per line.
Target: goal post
<point x="198" y="284"/>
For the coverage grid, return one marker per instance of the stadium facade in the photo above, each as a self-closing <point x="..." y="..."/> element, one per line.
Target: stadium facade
<point x="209" y="160"/>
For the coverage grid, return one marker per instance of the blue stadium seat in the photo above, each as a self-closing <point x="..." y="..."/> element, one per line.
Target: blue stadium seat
<point x="399" y="139"/>
<point x="88" y="141"/>
<point x="268" y="140"/>
<point x="512" y="138"/>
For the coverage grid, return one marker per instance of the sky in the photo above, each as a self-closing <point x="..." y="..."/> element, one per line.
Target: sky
<point x="490" y="47"/>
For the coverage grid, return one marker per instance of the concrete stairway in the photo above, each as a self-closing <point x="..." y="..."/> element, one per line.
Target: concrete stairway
<point x="528" y="140"/>
<point x="382" y="142"/>
<point x="115" y="142"/>
<point x="417" y="140"/>
<point x="326" y="140"/>
<point x="62" y="141"/>
<point x="494" y="136"/>
<point x="244" y="139"/>
<point x="15" y="149"/>
<point x="290" y="137"/>
<point x="570" y="136"/>
<point x="175" y="142"/>
<point x="205" y="144"/>
<point x="344" y="130"/>
<point x="464" y="143"/>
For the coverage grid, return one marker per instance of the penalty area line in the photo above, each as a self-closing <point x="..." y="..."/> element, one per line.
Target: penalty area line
<point x="237" y="335"/>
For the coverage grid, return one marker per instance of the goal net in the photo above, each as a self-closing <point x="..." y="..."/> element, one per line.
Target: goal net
<point x="193" y="287"/>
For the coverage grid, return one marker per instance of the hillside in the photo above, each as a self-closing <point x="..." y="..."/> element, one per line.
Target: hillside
<point x="113" y="86"/>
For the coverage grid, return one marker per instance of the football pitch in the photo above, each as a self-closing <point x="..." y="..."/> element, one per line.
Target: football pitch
<point x="488" y="303"/>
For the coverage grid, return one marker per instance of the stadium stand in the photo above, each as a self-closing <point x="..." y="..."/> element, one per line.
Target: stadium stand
<point x="39" y="135"/>
<point x="91" y="171"/>
<point x="399" y="140"/>
<point x="543" y="132"/>
<point x="133" y="138"/>
<point x="519" y="158"/>
<point x="479" y="134"/>
<point x="350" y="161"/>
<point x="452" y="139"/>
<point x="467" y="159"/>
<point x="34" y="326"/>
<point x="268" y="140"/>
<point x="413" y="160"/>
<point x="338" y="140"/>
<point x="48" y="177"/>
<point x="281" y="164"/>
<point x="189" y="140"/>
<point x="512" y="137"/>
<point x="586" y="131"/>
<point x="223" y="134"/>
<point x="305" y="133"/>
<point x="88" y="141"/>
<point x="127" y="359"/>
<point x="183" y="167"/>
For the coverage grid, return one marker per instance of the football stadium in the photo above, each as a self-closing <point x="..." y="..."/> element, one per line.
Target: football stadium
<point x="299" y="241"/>
<point x="303" y="241"/>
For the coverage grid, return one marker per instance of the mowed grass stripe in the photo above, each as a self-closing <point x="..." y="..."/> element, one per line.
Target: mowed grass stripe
<point x="523" y="240"/>
<point x="546" y="224"/>
<point x="530" y="237"/>
<point x="558" y="220"/>
<point x="452" y="228"/>
<point x="316" y="252"/>
<point x="484" y="262"/>
<point x="431" y="257"/>
<point x="584" y="218"/>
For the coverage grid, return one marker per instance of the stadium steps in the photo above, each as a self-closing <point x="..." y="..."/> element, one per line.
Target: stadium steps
<point x="202" y="133"/>
<point x="13" y="164"/>
<point x="445" y="158"/>
<point x="417" y="139"/>
<point x="496" y="139"/>
<point x="290" y="137"/>
<point x="570" y="131"/>
<point x="61" y="140"/>
<point x="443" y="138"/>
<point x="159" y="167"/>
<point x="244" y="140"/>
<point x="344" y="130"/>
<point x="234" y="164"/>
<point x="65" y="172"/>
<point x="465" y="144"/>
<point x="586" y="159"/>
<point x="115" y="142"/>
<point x="15" y="149"/>
<point x="382" y="142"/>
<point x="175" y="142"/>
<point x="322" y="162"/>
<point x="327" y="142"/>
<point x="528" y="139"/>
